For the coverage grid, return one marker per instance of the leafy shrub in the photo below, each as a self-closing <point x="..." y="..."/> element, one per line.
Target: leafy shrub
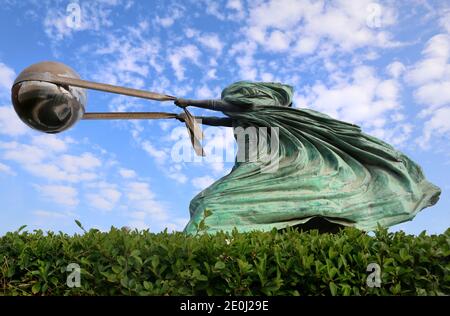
<point x="123" y="262"/>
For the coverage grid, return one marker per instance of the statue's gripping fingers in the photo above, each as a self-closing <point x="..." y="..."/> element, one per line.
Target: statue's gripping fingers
<point x="214" y="105"/>
<point x="182" y="103"/>
<point x="181" y="117"/>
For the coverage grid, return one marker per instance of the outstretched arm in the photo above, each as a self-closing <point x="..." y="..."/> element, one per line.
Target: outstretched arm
<point x="215" y="105"/>
<point x="210" y="120"/>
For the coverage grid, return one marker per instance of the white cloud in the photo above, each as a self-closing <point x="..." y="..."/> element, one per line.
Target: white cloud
<point x="159" y="155"/>
<point x="235" y="5"/>
<point x="10" y="124"/>
<point x="211" y="41"/>
<point x="444" y="21"/>
<point x="53" y="172"/>
<point x="175" y="173"/>
<point x="128" y="58"/>
<point x="127" y="173"/>
<point x="306" y="45"/>
<point x="202" y="182"/>
<point x="280" y="14"/>
<point x="278" y="41"/>
<point x="59" y="23"/>
<point x="103" y="195"/>
<point x="142" y="202"/>
<point x="164" y="161"/>
<point x="214" y="9"/>
<point x="7" y="76"/>
<point x="204" y="92"/>
<point x="168" y="20"/>
<point x="187" y="52"/>
<point x="434" y="65"/>
<point x="211" y="74"/>
<point x="73" y="164"/>
<point x="51" y="142"/>
<point x="431" y="78"/>
<point x="245" y="59"/>
<point x="138" y="191"/>
<point x="190" y="32"/>
<point x="397" y="134"/>
<point x="46" y="215"/>
<point x="105" y="199"/>
<point x="49" y="165"/>
<point x="60" y="194"/>
<point x="395" y="69"/>
<point x="22" y="153"/>
<point x="165" y="22"/>
<point x="363" y="98"/>
<point x="433" y="95"/>
<point x="438" y="125"/>
<point x="343" y="24"/>
<point x="6" y="169"/>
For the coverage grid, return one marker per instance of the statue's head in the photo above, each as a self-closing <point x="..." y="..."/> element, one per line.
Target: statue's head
<point x="248" y="93"/>
<point x="46" y="106"/>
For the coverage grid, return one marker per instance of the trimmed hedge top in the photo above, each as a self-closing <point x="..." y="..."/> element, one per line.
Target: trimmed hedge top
<point x="122" y="262"/>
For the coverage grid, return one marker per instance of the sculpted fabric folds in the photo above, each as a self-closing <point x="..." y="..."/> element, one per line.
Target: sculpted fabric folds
<point x="326" y="168"/>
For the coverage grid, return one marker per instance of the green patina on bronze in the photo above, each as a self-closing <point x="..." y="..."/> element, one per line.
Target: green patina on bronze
<point x="326" y="168"/>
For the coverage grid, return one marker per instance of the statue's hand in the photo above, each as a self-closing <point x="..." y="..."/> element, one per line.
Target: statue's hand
<point x="182" y="103"/>
<point x="181" y="117"/>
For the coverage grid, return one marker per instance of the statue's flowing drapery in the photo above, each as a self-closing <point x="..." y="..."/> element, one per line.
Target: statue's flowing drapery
<point x="326" y="168"/>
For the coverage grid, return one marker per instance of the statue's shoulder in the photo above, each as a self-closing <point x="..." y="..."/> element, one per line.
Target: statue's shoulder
<point x="325" y="118"/>
<point x="314" y="113"/>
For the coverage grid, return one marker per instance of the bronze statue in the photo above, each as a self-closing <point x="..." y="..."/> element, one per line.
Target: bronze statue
<point x="329" y="171"/>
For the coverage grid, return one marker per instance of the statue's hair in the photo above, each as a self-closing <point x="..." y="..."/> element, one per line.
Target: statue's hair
<point x="248" y="93"/>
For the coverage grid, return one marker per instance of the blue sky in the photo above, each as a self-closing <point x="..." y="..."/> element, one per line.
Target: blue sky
<point x="382" y="65"/>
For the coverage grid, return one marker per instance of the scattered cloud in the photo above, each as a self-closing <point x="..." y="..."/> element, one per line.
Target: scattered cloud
<point x="444" y="21"/>
<point x="160" y="156"/>
<point x="51" y="142"/>
<point x="167" y="21"/>
<point x="63" y="21"/>
<point x="127" y="57"/>
<point x="202" y="182"/>
<point x="138" y="191"/>
<point x="188" y="52"/>
<point x="105" y="199"/>
<point x="438" y="125"/>
<point x="238" y="7"/>
<point x="212" y="41"/>
<point x="10" y="124"/>
<point x="50" y="165"/>
<point x="205" y="92"/>
<point x="60" y="194"/>
<point x="127" y="173"/>
<point x="434" y="65"/>
<point x="395" y="69"/>
<point x="344" y="25"/>
<point x="7" y="76"/>
<point x="142" y="201"/>
<point x="6" y="169"/>
<point x="45" y="215"/>
<point x="213" y="8"/>
<point x="430" y="77"/>
<point x="362" y="98"/>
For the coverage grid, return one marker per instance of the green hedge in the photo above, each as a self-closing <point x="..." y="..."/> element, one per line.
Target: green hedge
<point x="122" y="262"/>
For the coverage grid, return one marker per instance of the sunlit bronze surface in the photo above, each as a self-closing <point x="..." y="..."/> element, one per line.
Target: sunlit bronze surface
<point x="46" y="106"/>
